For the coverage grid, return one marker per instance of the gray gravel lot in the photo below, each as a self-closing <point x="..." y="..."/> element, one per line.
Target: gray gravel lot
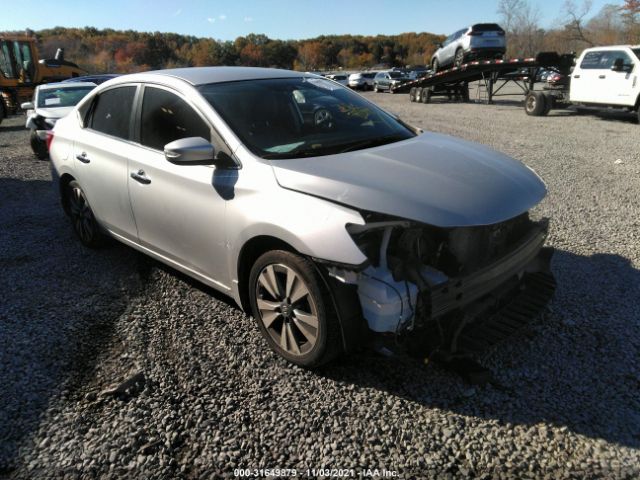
<point x="210" y="396"/>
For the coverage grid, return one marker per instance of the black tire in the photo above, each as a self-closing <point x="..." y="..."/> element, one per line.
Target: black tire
<point x="435" y="65"/>
<point x="535" y="104"/>
<point x="426" y="95"/>
<point x="83" y="221"/>
<point x="550" y="102"/>
<point x="419" y="91"/>
<point x="280" y="313"/>
<point x="412" y="94"/>
<point x="464" y="93"/>
<point x="3" y="111"/>
<point x="375" y="88"/>
<point x="638" y="113"/>
<point x="38" y="146"/>
<point x="458" y="59"/>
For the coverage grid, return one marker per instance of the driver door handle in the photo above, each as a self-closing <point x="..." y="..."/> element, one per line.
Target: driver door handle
<point x="141" y="177"/>
<point x="83" y="158"/>
<point x="602" y="76"/>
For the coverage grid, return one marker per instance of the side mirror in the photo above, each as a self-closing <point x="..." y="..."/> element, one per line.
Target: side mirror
<point x="27" y="106"/>
<point x="620" y="66"/>
<point x="189" y="151"/>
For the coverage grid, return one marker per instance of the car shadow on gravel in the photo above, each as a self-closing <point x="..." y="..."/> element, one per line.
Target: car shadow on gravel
<point x="575" y="368"/>
<point x="60" y="304"/>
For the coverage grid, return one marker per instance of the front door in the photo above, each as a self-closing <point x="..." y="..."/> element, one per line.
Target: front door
<point x="179" y="213"/>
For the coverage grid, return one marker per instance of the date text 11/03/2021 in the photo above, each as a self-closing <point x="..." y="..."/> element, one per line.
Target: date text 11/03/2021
<point x="315" y="473"/>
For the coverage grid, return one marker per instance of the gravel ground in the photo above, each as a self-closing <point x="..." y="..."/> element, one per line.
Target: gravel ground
<point x="205" y="394"/>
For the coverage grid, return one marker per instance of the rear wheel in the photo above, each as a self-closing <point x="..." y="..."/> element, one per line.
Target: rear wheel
<point x="419" y="93"/>
<point x="535" y="104"/>
<point x="426" y="95"/>
<point x="459" y="58"/>
<point x="435" y="65"/>
<point x="38" y="146"/>
<point x="293" y="309"/>
<point x="2" y="110"/>
<point x="84" y="223"/>
<point x="412" y="94"/>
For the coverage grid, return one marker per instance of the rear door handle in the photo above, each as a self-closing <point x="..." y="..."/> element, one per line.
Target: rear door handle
<point x="83" y="158"/>
<point x="140" y="177"/>
<point x="576" y="76"/>
<point x="602" y="76"/>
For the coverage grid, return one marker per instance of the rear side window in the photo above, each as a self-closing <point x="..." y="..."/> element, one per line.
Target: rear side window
<point x="603" y="60"/>
<point x="166" y="117"/>
<point x="112" y="111"/>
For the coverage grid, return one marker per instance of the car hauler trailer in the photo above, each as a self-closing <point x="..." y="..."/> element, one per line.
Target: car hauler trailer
<point x="494" y="75"/>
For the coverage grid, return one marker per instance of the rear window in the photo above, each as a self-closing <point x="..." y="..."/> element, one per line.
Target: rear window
<point x="486" y="27"/>
<point x="112" y="111"/>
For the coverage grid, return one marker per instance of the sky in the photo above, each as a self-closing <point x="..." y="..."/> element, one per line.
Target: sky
<point x="278" y="19"/>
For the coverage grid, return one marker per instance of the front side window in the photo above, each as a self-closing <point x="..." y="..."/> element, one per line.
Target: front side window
<point x="166" y="117"/>
<point x="6" y="64"/>
<point x="298" y="117"/>
<point x="111" y="112"/>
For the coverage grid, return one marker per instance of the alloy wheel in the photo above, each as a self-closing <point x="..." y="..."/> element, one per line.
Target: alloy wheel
<point x="81" y="215"/>
<point x="287" y="309"/>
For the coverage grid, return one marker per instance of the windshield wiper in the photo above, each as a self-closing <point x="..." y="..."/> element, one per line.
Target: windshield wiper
<point x="373" y="142"/>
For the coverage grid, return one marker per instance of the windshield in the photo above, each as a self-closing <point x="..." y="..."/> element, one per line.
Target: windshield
<point x="296" y="117"/>
<point x="61" y="97"/>
<point x="396" y="74"/>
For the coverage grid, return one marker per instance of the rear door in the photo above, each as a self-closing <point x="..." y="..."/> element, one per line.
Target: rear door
<point x="178" y="211"/>
<point x="100" y="154"/>
<point x="588" y="78"/>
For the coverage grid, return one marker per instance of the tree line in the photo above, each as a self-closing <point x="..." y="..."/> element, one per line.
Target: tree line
<point x="108" y="50"/>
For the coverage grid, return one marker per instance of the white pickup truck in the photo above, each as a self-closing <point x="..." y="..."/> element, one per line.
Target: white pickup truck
<point x="602" y="77"/>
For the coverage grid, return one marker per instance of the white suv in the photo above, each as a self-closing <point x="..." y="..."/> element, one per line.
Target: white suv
<point x="480" y="41"/>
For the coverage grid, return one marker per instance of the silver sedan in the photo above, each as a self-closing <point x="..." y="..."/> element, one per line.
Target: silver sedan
<point x="330" y="220"/>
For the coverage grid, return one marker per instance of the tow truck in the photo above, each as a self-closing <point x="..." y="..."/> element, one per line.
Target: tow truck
<point x="603" y="77"/>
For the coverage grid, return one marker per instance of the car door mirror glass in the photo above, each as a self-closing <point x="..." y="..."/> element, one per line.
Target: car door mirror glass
<point x="190" y="150"/>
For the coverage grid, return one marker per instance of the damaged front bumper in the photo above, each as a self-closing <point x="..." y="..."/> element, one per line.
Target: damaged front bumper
<point x="446" y="312"/>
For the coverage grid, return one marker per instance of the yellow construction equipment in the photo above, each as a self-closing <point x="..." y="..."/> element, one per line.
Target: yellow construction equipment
<point x="21" y="71"/>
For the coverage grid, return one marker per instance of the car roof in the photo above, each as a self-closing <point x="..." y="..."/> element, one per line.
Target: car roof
<point x="204" y="75"/>
<point x="49" y="86"/>
<point x="611" y="47"/>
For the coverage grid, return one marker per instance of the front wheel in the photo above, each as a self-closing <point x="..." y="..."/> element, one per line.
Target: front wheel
<point x="294" y="309"/>
<point x="435" y="65"/>
<point x="375" y="88"/>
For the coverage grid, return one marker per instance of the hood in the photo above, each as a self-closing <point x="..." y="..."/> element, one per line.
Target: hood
<point x="57" y="112"/>
<point x="434" y="179"/>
